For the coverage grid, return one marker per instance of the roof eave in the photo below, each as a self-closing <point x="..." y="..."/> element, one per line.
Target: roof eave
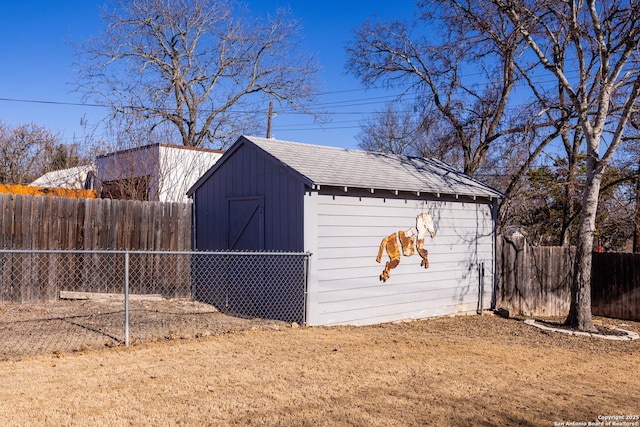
<point x="490" y="194"/>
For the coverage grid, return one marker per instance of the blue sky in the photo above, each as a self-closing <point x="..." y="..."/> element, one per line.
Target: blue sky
<point x="37" y="64"/>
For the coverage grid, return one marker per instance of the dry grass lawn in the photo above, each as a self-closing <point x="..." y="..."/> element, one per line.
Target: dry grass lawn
<point x="459" y="371"/>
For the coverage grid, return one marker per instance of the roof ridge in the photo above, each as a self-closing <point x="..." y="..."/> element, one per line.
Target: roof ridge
<point x="353" y="150"/>
<point x="307" y="144"/>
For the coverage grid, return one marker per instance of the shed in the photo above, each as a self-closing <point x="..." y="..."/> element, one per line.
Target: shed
<point x="355" y="212"/>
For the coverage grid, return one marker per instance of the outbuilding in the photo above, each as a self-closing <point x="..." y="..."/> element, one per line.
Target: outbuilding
<point x="155" y="172"/>
<point x="391" y="237"/>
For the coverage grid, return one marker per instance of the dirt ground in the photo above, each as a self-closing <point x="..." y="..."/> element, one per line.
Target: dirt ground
<point x="459" y="371"/>
<point x="79" y="325"/>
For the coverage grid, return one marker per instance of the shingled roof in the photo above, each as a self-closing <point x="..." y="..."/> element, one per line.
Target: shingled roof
<point x="340" y="167"/>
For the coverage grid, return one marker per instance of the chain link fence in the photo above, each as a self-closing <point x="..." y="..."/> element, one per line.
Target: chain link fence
<point x="60" y="301"/>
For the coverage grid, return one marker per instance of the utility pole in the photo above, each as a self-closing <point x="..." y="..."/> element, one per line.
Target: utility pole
<point x="269" y="117"/>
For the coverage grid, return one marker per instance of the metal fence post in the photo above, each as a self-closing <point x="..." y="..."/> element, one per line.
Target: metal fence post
<point x="126" y="298"/>
<point x="306" y="288"/>
<point x="481" y="288"/>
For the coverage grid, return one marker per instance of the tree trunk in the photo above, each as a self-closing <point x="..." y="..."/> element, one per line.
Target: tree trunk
<point x="636" y="232"/>
<point x="568" y="208"/>
<point x="580" y="311"/>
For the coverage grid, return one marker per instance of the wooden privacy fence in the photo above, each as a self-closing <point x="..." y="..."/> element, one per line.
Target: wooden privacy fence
<point x="32" y="222"/>
<point x="56" y="223"/>
<point x="615" y="285"/>
<point x="536" y="281"/>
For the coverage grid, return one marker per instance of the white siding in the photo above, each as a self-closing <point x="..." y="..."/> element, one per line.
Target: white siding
<point x="172" y="170"/>
<point x="344" y="286"/>
<point x="180" y="169"/>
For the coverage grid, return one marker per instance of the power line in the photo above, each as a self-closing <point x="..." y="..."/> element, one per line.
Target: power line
<point x="38" y="101"/>
<point x="333" y="105"/>
<point x="351" y="102"/>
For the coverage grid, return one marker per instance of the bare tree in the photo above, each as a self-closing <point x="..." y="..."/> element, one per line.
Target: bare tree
<point x="199" y="66"/>
<point x="459" y="61"/>
<point x="465" y="73"/>
<point x="390" y="131"/>
<point x="603" y="38"/>
<point x="399" y="129"/>
<point x="26" y="152"/>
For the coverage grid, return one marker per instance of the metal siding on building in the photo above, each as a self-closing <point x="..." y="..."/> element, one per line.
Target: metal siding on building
<point x="345" y="286"/>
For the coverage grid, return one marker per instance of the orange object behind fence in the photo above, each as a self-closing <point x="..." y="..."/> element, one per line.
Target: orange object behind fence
<point x="47" y="191"/>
